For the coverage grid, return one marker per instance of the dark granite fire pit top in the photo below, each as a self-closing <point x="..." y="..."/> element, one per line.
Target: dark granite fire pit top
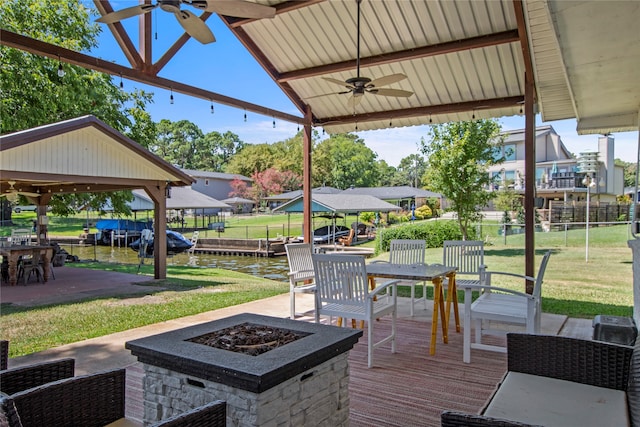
<point x="173" y="350"/>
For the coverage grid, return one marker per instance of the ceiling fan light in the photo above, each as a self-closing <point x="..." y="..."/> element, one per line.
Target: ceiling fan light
<point x="12" y="197"/>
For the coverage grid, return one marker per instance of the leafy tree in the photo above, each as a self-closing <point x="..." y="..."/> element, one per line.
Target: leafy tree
<point x="252" y="158"/>
<point x="507" y="200"/>
<point x="458" y="156"/>
<point x="342" y="161"/>
<point x="387" y="174"/>
<point x="272" y="181"/>
<point x="180" y="143"/>
<point x="411" y="169"/>
<point x="32" y="93"/>
<point x="629" y="172"/>
<point x="239" y="188"/>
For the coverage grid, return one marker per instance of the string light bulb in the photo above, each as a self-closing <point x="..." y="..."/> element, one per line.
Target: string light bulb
<point x="121" y="84"/>
<point x="245" y="116"/>
<point x="171" y="97"/>
<point x="274" y="122"/>
<point x="61" y="72"/>
<point x="430" y="119"/>
<point x="212" y="109"/>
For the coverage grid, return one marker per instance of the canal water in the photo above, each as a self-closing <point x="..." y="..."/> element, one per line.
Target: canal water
<point x="274" y="268"/>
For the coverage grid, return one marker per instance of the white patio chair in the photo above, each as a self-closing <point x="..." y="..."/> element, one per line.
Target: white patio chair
<point x="301" y="273"/>
<point x="343" y="291"/>
<point x="498" y="304"/>
<point x="21" y="236"/>
<point x="409" y="252"/>
<point x="468" y="256"/>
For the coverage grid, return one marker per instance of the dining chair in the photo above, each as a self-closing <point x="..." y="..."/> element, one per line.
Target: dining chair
<point x="409" y="252"/>
<point x="301" y="273"/>
<point x="343" y="291"/>
<point x="501" y="305"/>
<point x="21" y="236"/>
<point x="31" y="265"/>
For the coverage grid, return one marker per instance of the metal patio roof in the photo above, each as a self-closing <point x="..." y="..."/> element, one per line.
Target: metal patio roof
<point x="462" y="59"/>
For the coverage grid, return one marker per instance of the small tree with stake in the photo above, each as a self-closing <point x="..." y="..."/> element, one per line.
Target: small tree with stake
<point x="458" y="155"/>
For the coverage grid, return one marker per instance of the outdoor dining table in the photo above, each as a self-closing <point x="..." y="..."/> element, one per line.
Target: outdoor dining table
<point x="14" y="252"/>
<point x="423" y="272"/>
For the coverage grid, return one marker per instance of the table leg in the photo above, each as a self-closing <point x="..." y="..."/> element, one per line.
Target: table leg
<point x="13" y="269"/>
<point x="438" y="310"/>
<point x="46" y="264"/>
<point x="443" y="315"/>
<point x="452" y="297"/>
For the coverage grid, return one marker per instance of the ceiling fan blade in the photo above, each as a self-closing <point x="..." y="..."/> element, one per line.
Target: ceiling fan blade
<point x="195" y="27"/>
<point x="128" y="12"/>
<point x="387" y="80"/>
<point x="26" y="193"/>
<point x="339" y="82"/>
<point x="354" y="100"/>
<point x="328" y="94"/>
<point x="391" y="92"/>
<point x="238" y="8"/>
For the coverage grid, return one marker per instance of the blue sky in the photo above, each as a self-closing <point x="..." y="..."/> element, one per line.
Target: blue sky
<point x="227" y="68"/>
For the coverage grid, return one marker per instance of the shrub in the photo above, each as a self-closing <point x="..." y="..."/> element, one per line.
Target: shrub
<point x="423" y="212"/>
<point x="367" y="217"/>
<point x="433" y="232"/>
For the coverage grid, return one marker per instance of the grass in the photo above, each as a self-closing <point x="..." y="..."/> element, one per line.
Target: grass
<point x="572" y="286"/>
<point x="189" y="291"/>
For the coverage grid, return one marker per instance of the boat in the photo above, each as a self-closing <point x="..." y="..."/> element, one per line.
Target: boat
<point x="119" y="229"/>
<point x="176" y="244"/>
<point x="330" y="233"/>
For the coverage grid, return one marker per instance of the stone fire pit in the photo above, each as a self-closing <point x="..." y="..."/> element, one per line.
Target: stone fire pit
<point x="302" y="382"/>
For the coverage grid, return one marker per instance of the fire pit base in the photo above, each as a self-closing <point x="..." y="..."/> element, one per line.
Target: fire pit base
<point x="304" y="382"/>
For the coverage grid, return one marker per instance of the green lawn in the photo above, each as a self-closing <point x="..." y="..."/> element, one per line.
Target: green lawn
<point x="572" y="286"/>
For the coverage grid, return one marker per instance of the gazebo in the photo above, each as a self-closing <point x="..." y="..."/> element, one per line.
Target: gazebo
<point x="86" y="155"/>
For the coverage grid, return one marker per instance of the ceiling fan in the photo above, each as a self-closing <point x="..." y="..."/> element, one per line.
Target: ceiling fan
<point x="191" y="23"/>
<point x="12" y="193"/>
<point x="358" y="86"/>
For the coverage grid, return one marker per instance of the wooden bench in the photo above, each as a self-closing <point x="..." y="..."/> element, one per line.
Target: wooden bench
<point x="557" y="381"/>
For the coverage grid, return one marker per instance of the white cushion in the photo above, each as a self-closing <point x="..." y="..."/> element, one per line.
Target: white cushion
<point x="551" y="402"/>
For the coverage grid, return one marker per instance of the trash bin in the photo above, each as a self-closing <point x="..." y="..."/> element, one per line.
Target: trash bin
<point x="615" y="329"/>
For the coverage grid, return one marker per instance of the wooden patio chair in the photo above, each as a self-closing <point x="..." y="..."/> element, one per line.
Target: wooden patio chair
<point x="343" y="291"/>
<point x="502" y="305"/>
<point x="409" y="252"/>
<point x="301" y="273"/>
<point x="346" y="241"/>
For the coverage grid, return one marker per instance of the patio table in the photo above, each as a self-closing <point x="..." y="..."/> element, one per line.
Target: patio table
<point x="14" y="252"/>
<point x="423" y="272"/>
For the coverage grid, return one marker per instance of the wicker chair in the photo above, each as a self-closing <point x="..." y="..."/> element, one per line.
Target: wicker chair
<point x="22" y="378"/>
<point x="458" y="419"/>
<point x="90" y="400"/>
<point x="4" y="354"/>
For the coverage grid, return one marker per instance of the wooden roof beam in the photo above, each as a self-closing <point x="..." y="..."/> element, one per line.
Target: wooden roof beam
<point x="405" y="55"/>
<point x="281" y="8"/>
<point x="121" y="36"/>
<point x="460" y="107"/>
<point x="37" y="47"/>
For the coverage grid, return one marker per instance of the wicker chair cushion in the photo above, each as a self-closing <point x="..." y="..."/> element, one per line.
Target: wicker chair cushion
<point x="458" y="419"/>
<point x="633" y="390"/>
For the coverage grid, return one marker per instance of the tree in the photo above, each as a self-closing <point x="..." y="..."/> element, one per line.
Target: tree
<point x="272" y="181"/>
<point x="252" y="158"/>
<point x="411" y="169"/>
<point x="32" y="93"/>
<point x="386" y="174"/>
<point x="458" y="156"/>
<point x="629" y="172"/>
<point x="343" y="161"/>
